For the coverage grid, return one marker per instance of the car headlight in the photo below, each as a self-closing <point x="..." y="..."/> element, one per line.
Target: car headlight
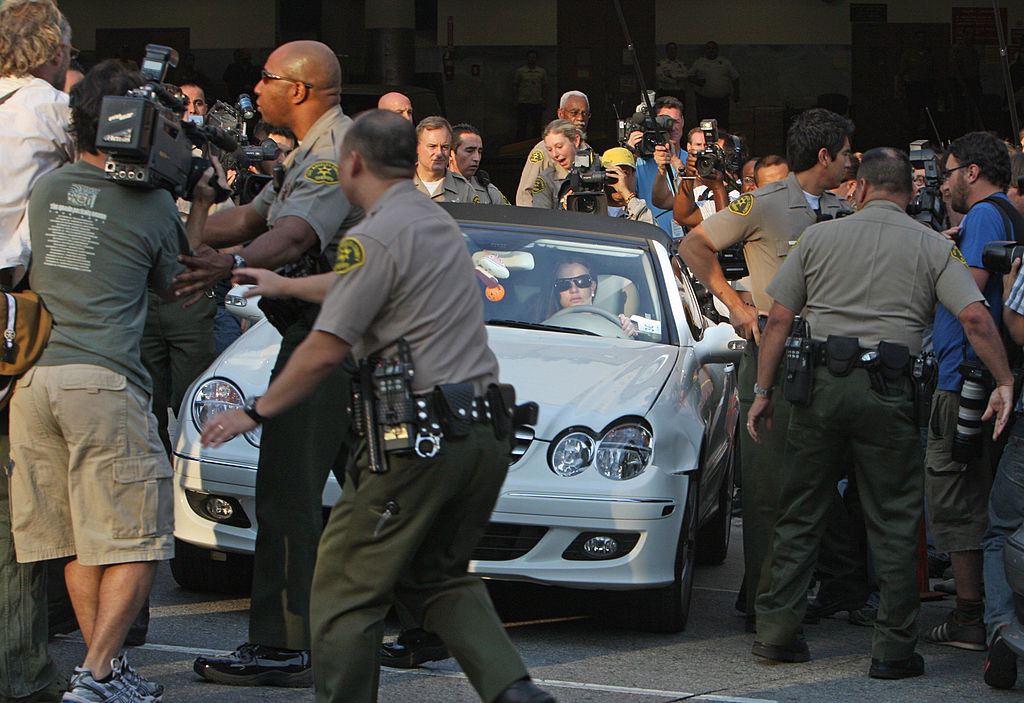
<point x="572" y="454"/>
<point x="216" y="396"/>
<point x="624" y="451"/>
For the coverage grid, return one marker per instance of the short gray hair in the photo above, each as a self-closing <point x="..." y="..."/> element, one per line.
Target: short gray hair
<point x="573" y="94"/>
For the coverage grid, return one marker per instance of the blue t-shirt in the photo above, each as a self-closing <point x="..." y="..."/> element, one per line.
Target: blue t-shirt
<point x="983" y="224"/>
<point x="646" y="170"/>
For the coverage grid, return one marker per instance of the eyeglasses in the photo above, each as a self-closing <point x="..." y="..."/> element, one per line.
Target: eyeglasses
<point x="578" y="113"/>
<point x="945" y="174"/>
<point x="267" y="76"/>
<point x="73" y="53"/>
<point x="564" y="284"/>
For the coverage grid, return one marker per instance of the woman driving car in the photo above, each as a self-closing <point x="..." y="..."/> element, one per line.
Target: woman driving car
<point x="575" y="287"/>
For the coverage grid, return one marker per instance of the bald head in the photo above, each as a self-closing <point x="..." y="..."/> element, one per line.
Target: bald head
<point x="396" y="102"/>
<point x="310" y="62"/>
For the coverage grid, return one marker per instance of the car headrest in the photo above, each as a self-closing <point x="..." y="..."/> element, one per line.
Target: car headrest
<point x="617" y="294"/>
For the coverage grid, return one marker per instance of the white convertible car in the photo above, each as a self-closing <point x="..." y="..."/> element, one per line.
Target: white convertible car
<point x="626" y="479"/>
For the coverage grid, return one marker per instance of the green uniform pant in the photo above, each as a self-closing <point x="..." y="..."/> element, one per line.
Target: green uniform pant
<point x="298" y="450"/>
<point x="177" y="345"/>
<point x="418" y="556"/>
<point x="849" y="420"/>
<point x="761" y="473"/>
<point x="25" y="665"/>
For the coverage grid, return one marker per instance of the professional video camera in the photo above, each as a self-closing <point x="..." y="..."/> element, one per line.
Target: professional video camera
<point x="728" y="162"/>
<point x="655" y="129"/>
<point x="927" y="207"/>
<point x="147" y="143"/>
<point x="232" y="120"/>
<point x="587" y="184"/>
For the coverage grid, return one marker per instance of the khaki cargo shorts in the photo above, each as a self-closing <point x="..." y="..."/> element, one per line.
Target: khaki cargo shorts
<point x="90" y="476"/>
<point x="957" y="494"/>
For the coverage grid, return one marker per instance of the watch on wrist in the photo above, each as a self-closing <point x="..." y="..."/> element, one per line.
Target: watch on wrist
<point x="765" y="393"/>
<point x="250" y="410"/>
<point x="239" y="262"/>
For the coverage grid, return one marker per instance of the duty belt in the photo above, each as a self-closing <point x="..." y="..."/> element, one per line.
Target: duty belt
<point x="885" y="364"/>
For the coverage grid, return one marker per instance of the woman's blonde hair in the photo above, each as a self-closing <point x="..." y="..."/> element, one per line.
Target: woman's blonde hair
<point x="565" y="127"/>
<point x="31" y="32"/>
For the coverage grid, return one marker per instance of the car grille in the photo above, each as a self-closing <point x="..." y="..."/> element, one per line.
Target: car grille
<point x="521" y="442"/>
<point x="502" y="541"/>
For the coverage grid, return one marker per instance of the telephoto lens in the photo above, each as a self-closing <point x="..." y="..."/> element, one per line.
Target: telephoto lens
<point x="967" y="441"/>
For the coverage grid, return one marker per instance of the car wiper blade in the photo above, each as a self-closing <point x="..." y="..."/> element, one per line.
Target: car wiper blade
<point x="519" y="324"/>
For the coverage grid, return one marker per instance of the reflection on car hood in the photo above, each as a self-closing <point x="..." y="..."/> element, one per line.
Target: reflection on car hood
<point x="580" y="380"/>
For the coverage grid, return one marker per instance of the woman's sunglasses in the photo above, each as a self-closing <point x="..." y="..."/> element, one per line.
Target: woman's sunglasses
<point x="564" y="284"/>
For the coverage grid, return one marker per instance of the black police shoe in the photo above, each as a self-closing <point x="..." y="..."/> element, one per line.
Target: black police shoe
<point x="1001" y="663"/>
<point x="258" y="665"/>
<point x="524" y="691"/>
<point x="795" y="651"/>
<point x="412" y="648"/>
<point x="897" y="668"/>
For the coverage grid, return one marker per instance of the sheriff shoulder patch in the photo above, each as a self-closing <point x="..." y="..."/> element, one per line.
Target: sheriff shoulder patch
<point x="742" y="205"/>
<point x="325" y="172"/>
<point x="538" y="185"/>
<point x="536" y="156"/>
<point x="476" y="198"/>
<point x="350" y="255"/>
<point x="955" y="253"/>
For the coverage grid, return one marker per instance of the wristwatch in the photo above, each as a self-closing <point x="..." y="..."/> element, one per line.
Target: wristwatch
<point x="250" y="410"/>
<point x="239" y="262"/>
<point x="765" y="393"/>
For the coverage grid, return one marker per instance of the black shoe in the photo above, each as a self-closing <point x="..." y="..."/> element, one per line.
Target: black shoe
<point x="412" y="648"/>
<point x="257" y="665"/>
<point x="1001" y="664"/>
<point x="897" y="668"/>
<point x="524" y="691"/>
<point x="794" y="652"/>
<point x="822" y="608"/>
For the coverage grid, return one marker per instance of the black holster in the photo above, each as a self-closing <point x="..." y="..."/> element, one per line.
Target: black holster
<point x="841" y="354"/>
<point x="798" y="365"/>
<point x="454" y="405"/>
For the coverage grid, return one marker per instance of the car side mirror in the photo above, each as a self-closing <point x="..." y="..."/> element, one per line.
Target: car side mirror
<point x="719" y="345"/>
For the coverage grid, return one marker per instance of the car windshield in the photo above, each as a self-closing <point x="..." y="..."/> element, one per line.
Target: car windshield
<point x="571" y="284"/>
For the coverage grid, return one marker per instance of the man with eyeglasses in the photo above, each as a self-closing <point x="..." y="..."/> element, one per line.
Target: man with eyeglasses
<point x="573" y="106"/>
<point x="35" y="50"/>
<point x="977" y="172"/>
<point x="294" y="227"/>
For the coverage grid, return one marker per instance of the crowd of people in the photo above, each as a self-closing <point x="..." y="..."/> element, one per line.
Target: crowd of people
<point x="836" y="473"/>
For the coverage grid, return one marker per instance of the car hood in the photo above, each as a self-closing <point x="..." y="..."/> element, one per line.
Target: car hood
<point x="578" y="379"/>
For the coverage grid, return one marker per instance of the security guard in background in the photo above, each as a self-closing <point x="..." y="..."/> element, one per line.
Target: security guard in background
<point x="768" y="221"/>
<point x="406" y="523"/>
<point x="295" y="224"/>
<point x="861" y="403"/>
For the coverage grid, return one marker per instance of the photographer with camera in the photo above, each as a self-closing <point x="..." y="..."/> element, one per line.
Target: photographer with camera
<point x="92" y="480"/>
<point x="657" y="154"/>
<point x="294" y="225"/>
<point x="563" y="141"/>
<point x="959" y="467"/>
<point x="768" y="222"/>
<point x="623" y="201"/>
<point x="573" y="106"/>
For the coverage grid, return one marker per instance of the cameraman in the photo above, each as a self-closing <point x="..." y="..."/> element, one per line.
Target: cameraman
<point x="93" y="481"/>
<point x="977" y="171"/>
<point x="623" y="201"/>
<point x="563" y="141"/>
<point x="651" y="173"/>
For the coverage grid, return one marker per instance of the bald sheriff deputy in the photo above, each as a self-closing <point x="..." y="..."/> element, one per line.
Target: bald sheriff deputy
<point x="868" y="283"/>
<point x="403" y="285"/>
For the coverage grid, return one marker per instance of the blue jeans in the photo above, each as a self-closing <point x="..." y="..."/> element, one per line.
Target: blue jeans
<point x="1005" y="514"/>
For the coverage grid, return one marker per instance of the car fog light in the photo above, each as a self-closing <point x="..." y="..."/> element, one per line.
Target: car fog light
<point x="218" y="508"/>
<point x="572" y="454"/>
<point x="600" y="546"/>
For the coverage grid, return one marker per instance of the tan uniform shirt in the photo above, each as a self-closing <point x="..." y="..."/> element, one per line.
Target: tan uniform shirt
<point x="537" y="162"/>
<point x="530" y="84"/>
<point x="874" y="275"/>
<point x="405" y="272"/>
<point x="769" y="221"/>
<point x="310" y="189"/>
<point x="486" y="195"/>
<point x="671" y="74"/>
<point x="544" y="192"/>
<point x="453" y="190"/>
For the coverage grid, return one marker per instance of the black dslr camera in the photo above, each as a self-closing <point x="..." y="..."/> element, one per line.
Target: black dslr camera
<point x="728" y="161"/>
<point x="232" y="120"/>
<point x="927" y="207"/>
<point x="998" y="256"/>
<point x="147" y="143"/>
<point x="655" y="130"/>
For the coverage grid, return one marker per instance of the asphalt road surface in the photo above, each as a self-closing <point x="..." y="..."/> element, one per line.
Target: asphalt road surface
<point x="573" y="651"/>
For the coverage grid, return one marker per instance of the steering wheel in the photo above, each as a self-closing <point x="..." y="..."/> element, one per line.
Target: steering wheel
<point x="593" y="310"/>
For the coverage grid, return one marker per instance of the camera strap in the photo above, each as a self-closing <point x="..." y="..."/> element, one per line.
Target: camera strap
<point x="1012" y="219"/>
